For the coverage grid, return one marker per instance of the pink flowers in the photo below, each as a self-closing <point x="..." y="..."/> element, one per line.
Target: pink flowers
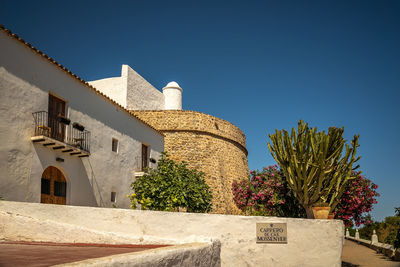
<point x="267" y="193"/>
<point x="263" y="194"/>
<point x="357" y="200"/>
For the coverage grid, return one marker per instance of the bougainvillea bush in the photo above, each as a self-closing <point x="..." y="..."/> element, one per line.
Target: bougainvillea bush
<point x="267" y="193"/>
<point x="356" y="201"/>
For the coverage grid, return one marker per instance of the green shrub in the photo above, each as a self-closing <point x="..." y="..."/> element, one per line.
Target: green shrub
<point x="171" y="186"/>
<point x="396" y="243"/>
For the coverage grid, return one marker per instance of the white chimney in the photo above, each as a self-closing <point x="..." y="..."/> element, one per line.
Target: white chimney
<point x="173" y="96"/>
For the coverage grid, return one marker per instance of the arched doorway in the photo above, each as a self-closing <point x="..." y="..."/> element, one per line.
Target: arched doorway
<point x="54" y="187"/>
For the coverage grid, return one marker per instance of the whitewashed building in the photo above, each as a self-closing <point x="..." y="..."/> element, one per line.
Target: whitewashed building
<point x="62" y="140"/>
<point x="133" y="92"/>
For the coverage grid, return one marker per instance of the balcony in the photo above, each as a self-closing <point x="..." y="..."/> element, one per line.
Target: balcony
<point x="58" y="133"/>
<point x="140" y="166"/>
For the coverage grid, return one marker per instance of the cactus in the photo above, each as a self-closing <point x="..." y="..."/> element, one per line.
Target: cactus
<point x="313" y="164"/>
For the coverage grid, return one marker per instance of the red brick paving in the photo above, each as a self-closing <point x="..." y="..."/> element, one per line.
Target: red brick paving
<point x="46" y="254"/>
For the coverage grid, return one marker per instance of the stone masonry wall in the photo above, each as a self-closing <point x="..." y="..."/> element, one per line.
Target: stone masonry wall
<point x="208" y="144"/>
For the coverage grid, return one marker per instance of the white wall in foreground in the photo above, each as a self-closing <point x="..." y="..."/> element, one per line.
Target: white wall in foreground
<point x="310" y="242"/>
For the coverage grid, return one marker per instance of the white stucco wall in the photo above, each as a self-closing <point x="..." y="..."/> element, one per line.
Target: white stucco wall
<point x="310" y="242"/>
<point x="131" y="90"/>
<point x="186" y="255"/>
<point x="114" y="87"/>
<point x="141" y="95"/>
<point x="26" y="78"/>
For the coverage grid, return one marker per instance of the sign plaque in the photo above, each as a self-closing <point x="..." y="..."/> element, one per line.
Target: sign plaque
<point x="272" y="233"/>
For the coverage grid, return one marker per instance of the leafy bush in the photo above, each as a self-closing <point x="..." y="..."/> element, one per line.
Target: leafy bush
<point x="396" y="243"/>
<point x="171" y="186"/>
<point x="357" y="200"/>
<point x="352" y="232"/>
<point x="387" y="231"/>
<point x="266" y="194"/>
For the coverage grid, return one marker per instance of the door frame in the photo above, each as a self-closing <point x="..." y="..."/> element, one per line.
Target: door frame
<point x="67" y="181"/>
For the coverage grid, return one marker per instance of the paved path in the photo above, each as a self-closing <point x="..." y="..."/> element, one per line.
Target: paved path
<point x="359" y="255"/>
<point x="37" y="255"/>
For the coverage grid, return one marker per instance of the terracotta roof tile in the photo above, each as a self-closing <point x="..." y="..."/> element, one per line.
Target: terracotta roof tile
<point x="34" y="49"/>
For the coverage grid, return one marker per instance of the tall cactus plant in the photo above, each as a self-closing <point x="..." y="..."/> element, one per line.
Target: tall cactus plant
<point x="313" y="164"/>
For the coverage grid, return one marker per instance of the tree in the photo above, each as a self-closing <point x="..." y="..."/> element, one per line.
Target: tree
<point x="397" y="210"/>
<point x="357" y="200"/>
<point x="396" y="243"/>
<point x="388" y="231"/>
<point x="171" y="186"/>
<point x="313" y="164"/>
<point x="266" y="193"/>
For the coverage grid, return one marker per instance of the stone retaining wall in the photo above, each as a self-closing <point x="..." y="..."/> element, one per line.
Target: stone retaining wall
<point x="208" y="144"/>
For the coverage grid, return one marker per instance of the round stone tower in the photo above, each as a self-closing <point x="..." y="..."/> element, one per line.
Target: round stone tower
<point x="173" y="96"/>
<point x="206" y="143"/>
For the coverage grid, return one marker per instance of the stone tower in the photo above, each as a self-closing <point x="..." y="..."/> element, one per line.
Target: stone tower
<point x="206" y="143"/>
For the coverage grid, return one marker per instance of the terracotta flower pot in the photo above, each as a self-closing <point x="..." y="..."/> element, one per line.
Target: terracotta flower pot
<point x="331" y="216"/>
<point x="321" y="212"/>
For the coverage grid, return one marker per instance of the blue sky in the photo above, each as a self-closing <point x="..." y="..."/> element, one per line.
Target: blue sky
<point x="261" y="65"/>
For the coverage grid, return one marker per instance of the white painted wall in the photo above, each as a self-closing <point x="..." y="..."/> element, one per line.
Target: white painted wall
<point x="131" y="90"/>
<point x="186" y="255"/>
<point x="114" y="87"/>
<point x="26" y="78"/>
<point x="310" y="242"/>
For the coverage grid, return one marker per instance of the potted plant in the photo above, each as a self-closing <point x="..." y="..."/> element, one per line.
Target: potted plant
<point x="78" y="126"/>
<point x="63" y="119"/>
<point x="321" y="210"/>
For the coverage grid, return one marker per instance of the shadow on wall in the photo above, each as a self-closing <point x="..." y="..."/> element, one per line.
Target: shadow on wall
<point x="80" y="189"/>
<point x="93" y="182"/>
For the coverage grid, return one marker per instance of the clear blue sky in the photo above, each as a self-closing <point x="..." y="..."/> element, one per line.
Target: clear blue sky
<point x="258" y="64"/>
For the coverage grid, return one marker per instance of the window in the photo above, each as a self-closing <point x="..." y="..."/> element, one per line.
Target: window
<point x="115" y="145"/>
<point x="45" y="186"/>
<point x="60" y="189"/>
<point x="145" y="156"/>
<point x="113" y="197"/>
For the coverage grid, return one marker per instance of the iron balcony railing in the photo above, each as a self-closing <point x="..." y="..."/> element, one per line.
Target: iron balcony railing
<point x="140" y="165"/>
<point x="61" y="129"/>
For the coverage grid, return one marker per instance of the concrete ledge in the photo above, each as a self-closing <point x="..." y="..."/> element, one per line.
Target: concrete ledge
<point x="193" y="254"/>
<point x="310" y="242"/>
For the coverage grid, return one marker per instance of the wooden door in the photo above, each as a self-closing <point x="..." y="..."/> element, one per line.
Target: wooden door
<point x="54" y="187"/>
<point x="56" y="109"/>
<point x="144" y="156"/>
